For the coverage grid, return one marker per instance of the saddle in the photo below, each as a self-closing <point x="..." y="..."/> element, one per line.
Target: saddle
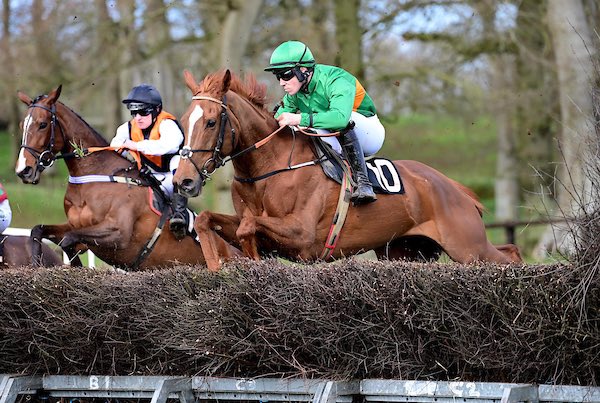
<point x="383" y="175"/>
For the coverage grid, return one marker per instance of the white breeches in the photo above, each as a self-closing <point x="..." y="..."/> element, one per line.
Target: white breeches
<point x="369" y="130"/>
<point x="166" y="178"/>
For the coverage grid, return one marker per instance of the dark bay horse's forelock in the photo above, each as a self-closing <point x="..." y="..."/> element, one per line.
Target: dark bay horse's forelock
<point x="107" y="203"/>
<point x="290" y="214"/>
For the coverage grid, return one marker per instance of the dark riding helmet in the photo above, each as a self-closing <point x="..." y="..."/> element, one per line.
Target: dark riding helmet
<point x="143" y="96"/>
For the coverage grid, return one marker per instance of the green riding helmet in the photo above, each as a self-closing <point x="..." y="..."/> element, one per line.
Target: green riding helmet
<point x="291" y="54"/>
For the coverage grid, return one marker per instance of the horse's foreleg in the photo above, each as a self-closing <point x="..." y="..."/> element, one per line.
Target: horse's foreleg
<point x="103" y="234"/>
<point x="246" y="233"/>
<point x="217" y="234"/>
<point x="54" y="233"/>
<point x="292" y="232"/>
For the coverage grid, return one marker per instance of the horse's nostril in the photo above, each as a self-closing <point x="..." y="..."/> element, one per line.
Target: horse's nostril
<point x="187" y="184"/>
<point x="25" y="172"/>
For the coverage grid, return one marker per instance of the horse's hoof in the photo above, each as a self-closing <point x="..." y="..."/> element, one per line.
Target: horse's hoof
<point x="177" y="228"/>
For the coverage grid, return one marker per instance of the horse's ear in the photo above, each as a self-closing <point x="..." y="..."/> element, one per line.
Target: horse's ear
<point x="190" y="81"/>
<point x="54" y="94"/>
<point x="226" y="81"/>
<point x="24" y="98"/>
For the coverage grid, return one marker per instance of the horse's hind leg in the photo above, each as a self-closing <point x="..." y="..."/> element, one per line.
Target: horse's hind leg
<point x="410" y="248"/>
<point x="473" y="246"/>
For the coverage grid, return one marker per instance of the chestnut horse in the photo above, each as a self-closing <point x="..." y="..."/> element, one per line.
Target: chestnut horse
<point x="290" y="213"/>
<point x="107" y="201"/>
<point x="16" y="252"/>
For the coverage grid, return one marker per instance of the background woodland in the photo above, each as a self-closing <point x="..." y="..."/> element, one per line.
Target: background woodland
<point x="530" y="66"/>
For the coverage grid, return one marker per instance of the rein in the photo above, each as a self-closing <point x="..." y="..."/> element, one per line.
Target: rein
<point x="46" y="158"/>
<point x="186" y="152"/>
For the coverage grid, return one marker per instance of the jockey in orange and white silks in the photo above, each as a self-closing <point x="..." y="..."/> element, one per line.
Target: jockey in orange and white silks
<point x="5" y="211"/>
<point x="158" y="137"/>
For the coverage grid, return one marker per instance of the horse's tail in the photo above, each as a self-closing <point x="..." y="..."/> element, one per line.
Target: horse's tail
<point x="469" y="192"/>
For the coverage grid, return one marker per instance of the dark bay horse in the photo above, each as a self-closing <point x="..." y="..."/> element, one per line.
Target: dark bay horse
<point x="290" y="214"/>
<point x="113" y="219"/>
<point x="16" y="252"/>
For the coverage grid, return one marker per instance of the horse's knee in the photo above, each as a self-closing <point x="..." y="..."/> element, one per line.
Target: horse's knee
<point x="37" y="232"/>
<point x="202" y="222"/>
<point x="246" y="234"/>
<point x="68" y="241"/>
<point x="247" y="228"/>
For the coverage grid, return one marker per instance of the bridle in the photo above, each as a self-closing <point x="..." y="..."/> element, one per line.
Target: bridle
<point x="46" y="158"/>
<point x="217" y="159"/>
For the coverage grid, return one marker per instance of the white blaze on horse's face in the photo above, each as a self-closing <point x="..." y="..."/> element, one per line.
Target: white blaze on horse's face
<point x="21" y="161"/>
<point x="194" y="117"/>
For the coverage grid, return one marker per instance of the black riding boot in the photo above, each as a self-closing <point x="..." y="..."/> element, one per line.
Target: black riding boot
<point x="354" y="154"/>
<point x="179" y="220"/>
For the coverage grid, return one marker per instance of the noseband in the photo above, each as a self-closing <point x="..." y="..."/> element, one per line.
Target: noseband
<point x="46" y="158"/>
<point x="217" y="159"/>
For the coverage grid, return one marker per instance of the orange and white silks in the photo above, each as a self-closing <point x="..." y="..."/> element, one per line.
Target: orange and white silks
<point x="136" y="135"/>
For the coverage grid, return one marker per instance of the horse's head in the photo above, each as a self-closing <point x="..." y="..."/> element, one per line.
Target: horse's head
<point x="209" y="132"/>
<point x="42" y="136"/>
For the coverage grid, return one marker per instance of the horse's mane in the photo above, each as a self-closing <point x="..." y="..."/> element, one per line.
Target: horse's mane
<point x="100" y="138"/>
<point x="249" y="88"/>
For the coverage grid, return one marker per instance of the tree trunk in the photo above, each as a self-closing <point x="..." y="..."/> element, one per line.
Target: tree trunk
<point x="506" y="186"/>
<point x="9" y="67"/>
<point x="570" y="37"/>
<point x="229" y="42"/>
<point x="348" y="35"/>
<point x="160" y="69"/>
<point x="236" y="32"/>
<point x="537" y="105"/>
<point x="106" y="36"/>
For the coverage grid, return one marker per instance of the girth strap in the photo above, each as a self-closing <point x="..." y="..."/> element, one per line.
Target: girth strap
<point x="339" y="218"/>
<point x="152" y="241"/>
<point x="80" y="180"/>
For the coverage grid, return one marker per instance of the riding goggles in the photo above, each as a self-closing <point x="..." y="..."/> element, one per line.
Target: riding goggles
<point x="285" y="75"/>
<point x="141" y="112"/>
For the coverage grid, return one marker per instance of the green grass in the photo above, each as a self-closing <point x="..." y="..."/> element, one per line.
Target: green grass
<point x="464" y="151"/>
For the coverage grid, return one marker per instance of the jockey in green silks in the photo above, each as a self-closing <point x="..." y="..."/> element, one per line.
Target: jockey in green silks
<point x="327" y="98"/>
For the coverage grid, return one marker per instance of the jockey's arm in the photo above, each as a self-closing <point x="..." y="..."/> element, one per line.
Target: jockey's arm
<point x="170" y="139"/>
<point x="121" y="136"/>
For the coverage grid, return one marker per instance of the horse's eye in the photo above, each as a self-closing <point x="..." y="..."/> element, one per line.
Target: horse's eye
<point x="211" y="123"/>
<point x="43" y="125"/>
